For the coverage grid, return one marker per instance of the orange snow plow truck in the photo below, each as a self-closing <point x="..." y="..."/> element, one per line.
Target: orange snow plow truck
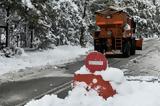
<point x="116" y="32"/>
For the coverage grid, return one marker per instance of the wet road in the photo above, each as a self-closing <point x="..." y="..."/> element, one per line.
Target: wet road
<point x="17" y="93"/>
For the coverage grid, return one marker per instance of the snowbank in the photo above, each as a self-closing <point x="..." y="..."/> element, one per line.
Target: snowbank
<point x="59" y="55"/>
<point x="77" y="97"/>
<point x="130" y="93"/>
<point x="150" y="38"/>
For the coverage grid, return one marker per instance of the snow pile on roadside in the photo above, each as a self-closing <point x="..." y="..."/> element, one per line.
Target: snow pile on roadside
<point x="150" y="38"/>
<point x="59" y="55"/>
<point x="129" y="93"/>
<point x="79" y="96"/>
<point x="111" y="74"/>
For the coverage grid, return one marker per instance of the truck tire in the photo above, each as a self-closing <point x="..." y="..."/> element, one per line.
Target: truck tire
<point x="133" y="46"/>
<point x="96" y="45"/>
<point x="126" y="50"/>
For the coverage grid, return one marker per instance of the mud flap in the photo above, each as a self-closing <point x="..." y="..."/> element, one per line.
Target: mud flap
<point x="133" y="46"/>
<point x="126" y="49"/>
<point x="139" y="43"/>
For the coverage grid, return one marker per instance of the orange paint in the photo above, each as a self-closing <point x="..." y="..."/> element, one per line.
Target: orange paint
<point x="114" y="21"/>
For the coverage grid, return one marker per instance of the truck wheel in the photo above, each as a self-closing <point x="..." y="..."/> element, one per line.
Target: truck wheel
<point x="126" y="49"/>
<point x="96" y="46"/>
<point x="133" y="46"/>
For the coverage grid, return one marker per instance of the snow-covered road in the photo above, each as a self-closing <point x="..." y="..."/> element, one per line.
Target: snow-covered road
<point x="147" y="63"/>
<point x="142" y="89"/>
<point x="128" y="93"/>
<point x="131" y="66"/>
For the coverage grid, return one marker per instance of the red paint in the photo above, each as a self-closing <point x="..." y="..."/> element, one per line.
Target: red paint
<point x="102" y="87"/>
<point x="95" y="61"/>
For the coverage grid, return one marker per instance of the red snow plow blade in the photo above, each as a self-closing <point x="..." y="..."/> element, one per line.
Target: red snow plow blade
<point x="95" y="82"/>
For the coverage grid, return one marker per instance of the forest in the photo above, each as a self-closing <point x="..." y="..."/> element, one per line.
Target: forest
<point x="49" y="23"/>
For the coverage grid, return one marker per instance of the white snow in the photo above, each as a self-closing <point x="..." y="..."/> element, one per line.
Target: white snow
<point x="155" y="36"/>
<point x="147" y="63"/>
<point x="83" y="70"/>
<point x="59" y="55"/>
<point x="28" y="3"/>
<point x="111" y="74"/>
<point x="129" y="93"/>
<point x="60" y="2"/>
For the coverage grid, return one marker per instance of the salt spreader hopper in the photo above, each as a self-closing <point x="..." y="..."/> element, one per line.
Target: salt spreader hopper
<point x="116" y="32"/>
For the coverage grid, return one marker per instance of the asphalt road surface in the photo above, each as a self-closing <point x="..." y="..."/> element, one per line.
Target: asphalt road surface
<point x="17" y="93"/>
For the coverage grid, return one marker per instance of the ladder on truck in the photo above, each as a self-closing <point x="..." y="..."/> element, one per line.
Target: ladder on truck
<point x="118" y="43"/>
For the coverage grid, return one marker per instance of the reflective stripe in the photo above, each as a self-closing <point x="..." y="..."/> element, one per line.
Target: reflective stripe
<point x="95" y="62"/>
